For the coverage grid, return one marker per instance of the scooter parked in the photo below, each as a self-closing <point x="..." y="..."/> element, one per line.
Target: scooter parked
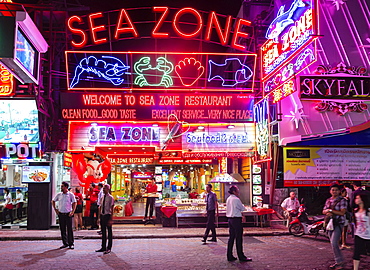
<point x="304" y="225"/>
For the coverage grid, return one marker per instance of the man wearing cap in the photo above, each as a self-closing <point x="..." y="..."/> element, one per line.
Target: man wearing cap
<point x="106" y="214"/>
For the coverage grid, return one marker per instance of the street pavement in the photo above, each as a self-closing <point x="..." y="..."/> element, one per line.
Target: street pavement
<point x="268" y="253"/>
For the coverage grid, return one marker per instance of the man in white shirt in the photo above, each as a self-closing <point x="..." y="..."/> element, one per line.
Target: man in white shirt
<point x="290" y="205"/>
<point x="106" y="214"/>
<point x="20" y="202"/>
<point x="234" y="208"/>
<point x="66" y="208"/>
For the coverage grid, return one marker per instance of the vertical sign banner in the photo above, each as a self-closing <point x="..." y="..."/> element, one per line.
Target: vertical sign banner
<point x="6" y="82"/>
<point x="261" y="118"/>
<point x="314" y="166"/>
<point x="290" y="47"/>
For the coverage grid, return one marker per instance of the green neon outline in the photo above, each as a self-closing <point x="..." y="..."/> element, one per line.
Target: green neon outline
<point x="163" y="65"/>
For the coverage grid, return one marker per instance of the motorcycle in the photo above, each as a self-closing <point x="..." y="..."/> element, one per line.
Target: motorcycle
<point x="304" y="225"/>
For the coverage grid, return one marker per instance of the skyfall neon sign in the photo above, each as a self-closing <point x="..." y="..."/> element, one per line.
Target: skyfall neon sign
<point x="125" y="26"/>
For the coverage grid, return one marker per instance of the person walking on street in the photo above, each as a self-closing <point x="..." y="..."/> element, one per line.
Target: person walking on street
<point x="106" y="214"/>
<point x="79" y="207"/>
<point x="151" y="189"/>
<point x="290" y="206"/>
<point x="234" y="208"/>
<point x="347" y="219"/>
<point x="66" y="208"/>
<point x="358" y="189"/>
<point x="212" y="208"/>
<point x="362" y="228"/>
<point x="8" y="206"/>
<point x="335" y="207"/>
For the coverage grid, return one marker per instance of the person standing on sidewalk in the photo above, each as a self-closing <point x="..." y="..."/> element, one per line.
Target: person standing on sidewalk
<point x="336" y="207"/>
<point x="94" y="207"/>
<point x="151" y="188"/>
<point x="19" y="200"/>
<point x="362" y="225"/>
<point x="66" y="208"/>
<point x="211" y="207"/>
<point x="8" y="206"/>
<point x="106" y="214"/>
<point x="100" y="187"/>
<point x="234" y="208"/>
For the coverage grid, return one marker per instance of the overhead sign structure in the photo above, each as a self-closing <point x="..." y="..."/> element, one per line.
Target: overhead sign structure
<point x="290" y="47"/>
<point x="314" y="166"/>
<point x="146" y="71"/>
<point x="157" y="107"/>
<point x="187" y="23"/>
<point x="21" y="46"/>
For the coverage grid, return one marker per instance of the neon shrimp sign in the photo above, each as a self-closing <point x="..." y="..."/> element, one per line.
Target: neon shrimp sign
<point x="109" y="68"/>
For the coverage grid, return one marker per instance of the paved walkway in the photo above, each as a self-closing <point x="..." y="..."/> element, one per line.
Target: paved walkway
<point x="134" y="231"/>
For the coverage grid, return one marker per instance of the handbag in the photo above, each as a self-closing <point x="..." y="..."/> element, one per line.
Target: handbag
<point x="330" y="226"/>
<point x="329" y="219"/>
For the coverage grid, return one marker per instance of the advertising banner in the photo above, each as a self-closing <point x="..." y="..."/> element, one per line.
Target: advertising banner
<point x="315" y="166"/>
<point x="157" y="107"/>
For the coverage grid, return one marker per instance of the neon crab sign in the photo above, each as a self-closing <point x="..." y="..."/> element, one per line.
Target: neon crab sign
<point x="144" y="70"/>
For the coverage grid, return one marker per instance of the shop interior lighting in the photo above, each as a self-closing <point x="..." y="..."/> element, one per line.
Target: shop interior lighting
<point x="155" y="125"/>
<point x="201" y="127"/>
<point x="230" y="126"/>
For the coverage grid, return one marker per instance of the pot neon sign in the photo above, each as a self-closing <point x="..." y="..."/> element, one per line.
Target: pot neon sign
<point x="80" y="26"/>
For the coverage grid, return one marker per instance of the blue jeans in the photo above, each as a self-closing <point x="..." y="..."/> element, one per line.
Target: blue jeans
<point x="335" y="236"/>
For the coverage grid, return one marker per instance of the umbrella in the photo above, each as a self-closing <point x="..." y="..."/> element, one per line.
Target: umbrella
<point x="223" y="178"/>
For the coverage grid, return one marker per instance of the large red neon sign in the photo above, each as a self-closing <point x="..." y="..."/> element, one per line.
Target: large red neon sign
<point x="77" y="25"/>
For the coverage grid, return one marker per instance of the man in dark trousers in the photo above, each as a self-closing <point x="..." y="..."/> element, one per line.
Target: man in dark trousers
<point x="211" y="207"/>
<point x="94" y="215"/>
<point x="106" y="214"/>
<point x="234" y="208"/>
<point x="66" y="208"/>
<point x="151" y="189"/>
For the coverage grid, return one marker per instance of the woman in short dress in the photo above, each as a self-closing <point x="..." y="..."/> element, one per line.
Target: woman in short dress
<point x="78" y="212"/>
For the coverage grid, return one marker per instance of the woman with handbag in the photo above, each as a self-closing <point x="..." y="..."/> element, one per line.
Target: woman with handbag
<point x="362" y="228"/>
<point x="8" y="206"/>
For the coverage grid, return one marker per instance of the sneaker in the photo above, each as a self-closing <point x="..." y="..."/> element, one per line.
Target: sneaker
<point x="245" y="259"/>
<point x="100" y="250"/>
<point x="337" y="266"/>
<point x="107" y="251"/>
<point x="64" y="246"/>
<point x="71" y="247"/>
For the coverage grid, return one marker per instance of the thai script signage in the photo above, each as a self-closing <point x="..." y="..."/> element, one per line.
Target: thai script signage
<point x="337" y="87"/>
<point x="157" y="107"/>
<point x="6" y="82"/>
<point x="67" y="159"/>
<point x="100" y="28"/>
<point x="316" y="166"/>
<point x="154" y="70"/>
<point x="219" y="138"/>
<point x="217" y="154"/>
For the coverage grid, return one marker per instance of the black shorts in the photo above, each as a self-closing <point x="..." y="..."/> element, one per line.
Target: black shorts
<point x="78" y="209"/>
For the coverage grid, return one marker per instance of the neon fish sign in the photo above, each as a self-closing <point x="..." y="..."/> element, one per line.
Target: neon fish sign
<point x="111" y="70"/>
<point x="241" y="73"/>
<point x="98" y="134"/>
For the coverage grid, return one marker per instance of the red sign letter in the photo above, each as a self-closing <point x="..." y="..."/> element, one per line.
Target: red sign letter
<point x="165" y="11"/>
<point x="95" y="29"/>
<point x="77" y="32"/>
<point x="212" y="20"/>
<point x="238" y="34"/>
<point x="131" y="27"/>
<point x="179" y="14"/>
